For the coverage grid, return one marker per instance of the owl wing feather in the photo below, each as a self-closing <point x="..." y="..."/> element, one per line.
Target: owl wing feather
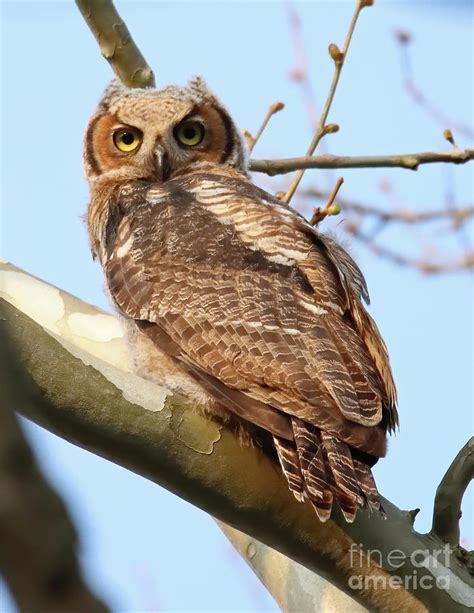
<point x="267" y="315"/>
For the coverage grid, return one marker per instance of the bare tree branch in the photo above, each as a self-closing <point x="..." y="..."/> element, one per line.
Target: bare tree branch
<point x="404" y="39"/>
<point x="424" y="265"/>
<point x="119" y="49"/>
<point x="322" y="129"/>
<point x="449" y="495"/>
<point x="300" y="73"/>
<point x="38" y="553"/>
<point x="356" y="216"/>
<point x="456" y="215"/>
<point x="410" y="161"/>
<point x="276" y="107"/>
<point x="116" y="43"/>
<point x="295" y="588"/>
<point x="77" y="358"/>
<point x="302" y="76"/>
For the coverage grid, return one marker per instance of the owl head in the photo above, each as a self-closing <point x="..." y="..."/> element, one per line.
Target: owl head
<point x="152" y="134"/>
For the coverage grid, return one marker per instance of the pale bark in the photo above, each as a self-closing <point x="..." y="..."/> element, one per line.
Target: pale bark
<point x="38" y="543"/>
<point x="77" y="358"/>
<point x="295" y="588"/>
<point x="116" y="43"/>
<point x="449" y="495"/>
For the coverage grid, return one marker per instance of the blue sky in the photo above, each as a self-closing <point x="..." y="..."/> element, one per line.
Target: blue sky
<point x="144" y="549"/>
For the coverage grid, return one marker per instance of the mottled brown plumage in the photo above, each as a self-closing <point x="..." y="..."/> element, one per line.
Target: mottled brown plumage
<point x="233" y="298"/>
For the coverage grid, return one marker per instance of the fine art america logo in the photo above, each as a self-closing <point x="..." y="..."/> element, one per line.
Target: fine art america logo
<point x="420" y="569"/>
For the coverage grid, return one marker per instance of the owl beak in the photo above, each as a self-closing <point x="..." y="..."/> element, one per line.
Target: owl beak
<point x="162" y="164"/>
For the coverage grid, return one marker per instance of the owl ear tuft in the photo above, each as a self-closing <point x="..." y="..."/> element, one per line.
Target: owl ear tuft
<point x="115" y="89"/>
<point x="199" y="91"/>
<point x="198" y="87"/>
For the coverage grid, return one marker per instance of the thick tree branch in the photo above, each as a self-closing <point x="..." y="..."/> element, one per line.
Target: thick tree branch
<point x="410" y="161"/>
<point x="38" y="553"/>
<point x="449" y="495"/>
<point x="295" y="588"/>
<point x="77" y="358"/>
<point x="116" y="43"/>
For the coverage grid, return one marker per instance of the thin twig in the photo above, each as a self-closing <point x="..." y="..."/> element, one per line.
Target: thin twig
<point x="464" y="263"/>
<point x="404" y="39"/>
<point x="116" y="43"/>
<point x="330" y="209"/>
<point x="338" y="58"/>
<point x="272" y="109"/>
<point x="447" y="504"/>
<point x="358" y="213"/>
<point x="410" y="161"/>
<point x="300" y="72"/>
<point x="457" y="215"/>
<point x="459" y="229"/>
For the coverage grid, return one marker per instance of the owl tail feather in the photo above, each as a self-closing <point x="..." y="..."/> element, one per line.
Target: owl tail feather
<point x="320" y="467"/>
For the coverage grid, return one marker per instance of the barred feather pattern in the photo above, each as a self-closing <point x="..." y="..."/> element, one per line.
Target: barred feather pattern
<point x="320" y="467"/>
<point x="264" y="313"/>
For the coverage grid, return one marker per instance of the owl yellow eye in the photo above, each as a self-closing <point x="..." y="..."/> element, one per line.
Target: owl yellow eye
<point x="189" y="133"/>
<point x="127" y="139"/>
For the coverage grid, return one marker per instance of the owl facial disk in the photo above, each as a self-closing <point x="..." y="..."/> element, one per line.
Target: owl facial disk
<point x="153" y="134"/>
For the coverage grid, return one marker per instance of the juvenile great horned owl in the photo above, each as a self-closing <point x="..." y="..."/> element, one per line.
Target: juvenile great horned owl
<point x="231" y="297"/>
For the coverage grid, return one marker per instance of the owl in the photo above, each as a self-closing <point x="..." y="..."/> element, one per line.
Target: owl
<point x="232" y="298"/>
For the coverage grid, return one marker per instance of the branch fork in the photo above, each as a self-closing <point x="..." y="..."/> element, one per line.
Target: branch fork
<point x="449" y="495"/>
